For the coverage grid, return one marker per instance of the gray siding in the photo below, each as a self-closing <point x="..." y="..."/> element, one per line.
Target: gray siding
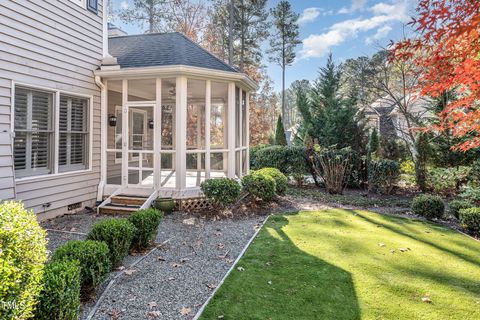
<point x="54" y="44"/>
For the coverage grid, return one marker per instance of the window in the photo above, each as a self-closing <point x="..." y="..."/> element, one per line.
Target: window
<point x="92" y="5"/>
<point x="73" y="132"/>
<point x="33" y="141"/>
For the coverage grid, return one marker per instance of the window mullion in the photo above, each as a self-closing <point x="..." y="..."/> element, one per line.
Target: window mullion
<point x="69" y="133"/>
<point x="28" y="136"/>
<point x="56" y="131"/>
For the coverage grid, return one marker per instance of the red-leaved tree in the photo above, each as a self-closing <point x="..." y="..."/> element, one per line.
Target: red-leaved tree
<point x="447" y="51"/>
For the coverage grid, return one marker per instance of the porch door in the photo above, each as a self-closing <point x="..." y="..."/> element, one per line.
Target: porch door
<point x="140" y="147"/>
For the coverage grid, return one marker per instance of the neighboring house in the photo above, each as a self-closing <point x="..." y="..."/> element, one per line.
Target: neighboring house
<point x="79" y="126"/>
<point x="385" y="116"/>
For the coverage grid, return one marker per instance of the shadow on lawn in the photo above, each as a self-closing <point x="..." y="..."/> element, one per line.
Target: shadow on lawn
<point x="320" y="290"/>
<point x="390" y="225"/>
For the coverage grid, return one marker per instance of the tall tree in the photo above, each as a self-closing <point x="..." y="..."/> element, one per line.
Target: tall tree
<point x="280" y="138"/>
<point x="151" y="13"/>
<point x="284" y="40"/>
<point x="188" y="17"/>
<point x="447" y="52"/>
<point x="251" y="29"/>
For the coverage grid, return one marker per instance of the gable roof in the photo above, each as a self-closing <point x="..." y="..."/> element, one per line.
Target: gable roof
<point x="162" y="49"/>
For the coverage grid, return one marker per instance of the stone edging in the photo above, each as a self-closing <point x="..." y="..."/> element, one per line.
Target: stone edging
<point x="202" y="308"/>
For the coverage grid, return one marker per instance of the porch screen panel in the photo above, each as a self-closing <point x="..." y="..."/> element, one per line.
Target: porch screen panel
<point x="218" y="115"/>
<point x="33" y="123"/>
<point x="73" y="134"/>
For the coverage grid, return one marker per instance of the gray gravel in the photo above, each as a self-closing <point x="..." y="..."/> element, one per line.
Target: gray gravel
<point x="179" y="274"/>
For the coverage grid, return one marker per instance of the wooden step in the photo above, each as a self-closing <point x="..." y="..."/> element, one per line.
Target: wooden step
<point x="128" y="200"/>
<point x="118" y="209"/>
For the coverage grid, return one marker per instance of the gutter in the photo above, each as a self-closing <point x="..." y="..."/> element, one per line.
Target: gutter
<point x="103" y="136"/>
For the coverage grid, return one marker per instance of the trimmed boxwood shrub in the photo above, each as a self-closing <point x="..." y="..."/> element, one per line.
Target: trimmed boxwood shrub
<point x="428" y="206"/>
<point x="470" y="219"/>
<point x="253" y="154"/>
<point x="259" y="186"/>
<point x="117" y="234"/>
<point x="222" y="192"/>
<point x="23" y="253"/>
<point x="281" y="181"/>
<point x="94" y="259"/>
<point x="383" y="175"/>
<point x="60" y="295"/>
<point x="287" y="159"/>
<point x="146" y="225"/>
<point x="455" y="206"/>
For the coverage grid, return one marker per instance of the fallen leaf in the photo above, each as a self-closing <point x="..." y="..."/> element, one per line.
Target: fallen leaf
<point x="392" y="251"/>
<point x="221" y="316"/>
<point x="152" y="304"/>
<point x="153" y="314"/>
<point x="268" y="263"/>
<point x="240" y="268"/>
<point x="426" y="300"/>
<point x="211" y="286"/>
<point x="160" y="258"/>
<point x="171" y="278"/>
<point x="190" y="221"/>
<point x="115" y="314"/>
<point x="220" y="246"/>
<point x="129" y="272"/>
<point x="183" y="260"/>
<point x="269" y="282"/>
<point x="403" y="249"/>
<point x="73" y="229"/>
<point x="381" y="244"/>
<point x="121" y="268"/>
<point x="217" y="233"/>
<point x="185" y="311"/>
<point x="176" y="265"/>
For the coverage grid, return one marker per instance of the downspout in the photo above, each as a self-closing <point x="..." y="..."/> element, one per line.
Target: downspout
<point x="103" y="137"/>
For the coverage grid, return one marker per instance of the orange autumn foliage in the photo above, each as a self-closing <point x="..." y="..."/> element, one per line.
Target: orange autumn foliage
<point x="448" y="53"/>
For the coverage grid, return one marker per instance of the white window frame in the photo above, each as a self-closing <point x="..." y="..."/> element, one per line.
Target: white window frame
<point x="81" y="3"/>
<point x="56" y="124"/>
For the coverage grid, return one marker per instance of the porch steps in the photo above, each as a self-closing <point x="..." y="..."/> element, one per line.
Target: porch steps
<point x="123" y="204"/>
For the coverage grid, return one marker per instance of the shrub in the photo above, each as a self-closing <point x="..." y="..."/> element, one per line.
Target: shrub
<point x="287" y="159"/>
<point x="253" y="155"/>
<point x="146" y="225"/>
<point x="428" y="206"/>
<point x="407" y="171"/>
<point x="383" y="175"/>
<point x="94" y="259"/>
<point x="223" y="192"/>
<point x="455" y="206"/>
<point x="117" y="234"/>
<point x="336" y="166"/>
<point x="474" y="177"/>
<point x="470" y="219"/>
<point x="281" y="181"/>
<point x="446" y="180"/>
<point x="22" y="256"/>
<point x="259" y="185"/>
<point x="471" y="194"/>
<point x="60" y="295"/>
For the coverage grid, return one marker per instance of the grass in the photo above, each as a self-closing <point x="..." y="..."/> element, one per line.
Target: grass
<point x="337" y="264"/>
<point x="351" y="200"/>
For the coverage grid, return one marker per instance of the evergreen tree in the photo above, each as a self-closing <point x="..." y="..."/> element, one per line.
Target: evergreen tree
<point x="284" y="40"/>
<point x="146" y="12"/>
<point x="280" y="138"/>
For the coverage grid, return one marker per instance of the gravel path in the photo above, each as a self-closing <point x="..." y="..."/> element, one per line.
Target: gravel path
<point x="177" y="278"/>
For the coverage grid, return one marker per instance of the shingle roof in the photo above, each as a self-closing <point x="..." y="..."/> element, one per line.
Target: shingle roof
<point x="162" y="49"/>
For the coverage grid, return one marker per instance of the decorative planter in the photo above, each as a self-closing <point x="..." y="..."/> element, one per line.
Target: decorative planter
<point x="164" y="204"/>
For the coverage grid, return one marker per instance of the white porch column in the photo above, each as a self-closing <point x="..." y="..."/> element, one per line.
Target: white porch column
<point x="181" y="133"/>
<point x="157" y="129"/>
<point x="240" y="125"/>
<point x="231" y="130"/>
<point x="124" y="132"/>
<point x="208" y="107"/>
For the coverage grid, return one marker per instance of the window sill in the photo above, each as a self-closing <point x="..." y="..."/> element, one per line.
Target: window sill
<point x="51" y="176"/>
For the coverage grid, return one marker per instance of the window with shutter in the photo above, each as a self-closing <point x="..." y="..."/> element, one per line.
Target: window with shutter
<point x="33" y="122"/>
<point x="73" y="134"/>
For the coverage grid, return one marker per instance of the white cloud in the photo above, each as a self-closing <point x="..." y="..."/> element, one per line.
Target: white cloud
<point x="317" y="45"/>
<point x="356" y="5"/>
<point x="309" y="15"/>
<point x="124" y="5"/>
<point x="380" y="34"/>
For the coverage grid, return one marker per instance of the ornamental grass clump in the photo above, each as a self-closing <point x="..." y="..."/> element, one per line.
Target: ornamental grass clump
<point x="146" y="225"/>
<point x="117" y="234"/>
<point x="23" y="253"/>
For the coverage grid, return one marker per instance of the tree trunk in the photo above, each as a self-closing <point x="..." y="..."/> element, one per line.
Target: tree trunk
<point x="230" y="33"/>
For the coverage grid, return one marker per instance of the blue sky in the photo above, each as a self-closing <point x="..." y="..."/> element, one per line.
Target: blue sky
<point x="347" y="28"/>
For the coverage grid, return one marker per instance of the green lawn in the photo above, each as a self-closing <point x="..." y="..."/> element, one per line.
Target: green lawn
<point x="337" y="264"/>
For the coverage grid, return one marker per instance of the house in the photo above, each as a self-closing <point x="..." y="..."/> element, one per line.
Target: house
<point x="154" y="116"/>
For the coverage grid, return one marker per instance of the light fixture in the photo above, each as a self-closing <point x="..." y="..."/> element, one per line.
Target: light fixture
<point x="112" y="120"/>
<point x="150" y="124"/>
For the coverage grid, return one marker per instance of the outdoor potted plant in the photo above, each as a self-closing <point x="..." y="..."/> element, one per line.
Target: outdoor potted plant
<point x="164" y="204"/>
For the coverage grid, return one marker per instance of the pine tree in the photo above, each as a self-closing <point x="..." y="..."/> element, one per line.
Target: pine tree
<point x="284" y="40"/>
<point x="149" y="12"/>
<point x="280" y="138"/>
